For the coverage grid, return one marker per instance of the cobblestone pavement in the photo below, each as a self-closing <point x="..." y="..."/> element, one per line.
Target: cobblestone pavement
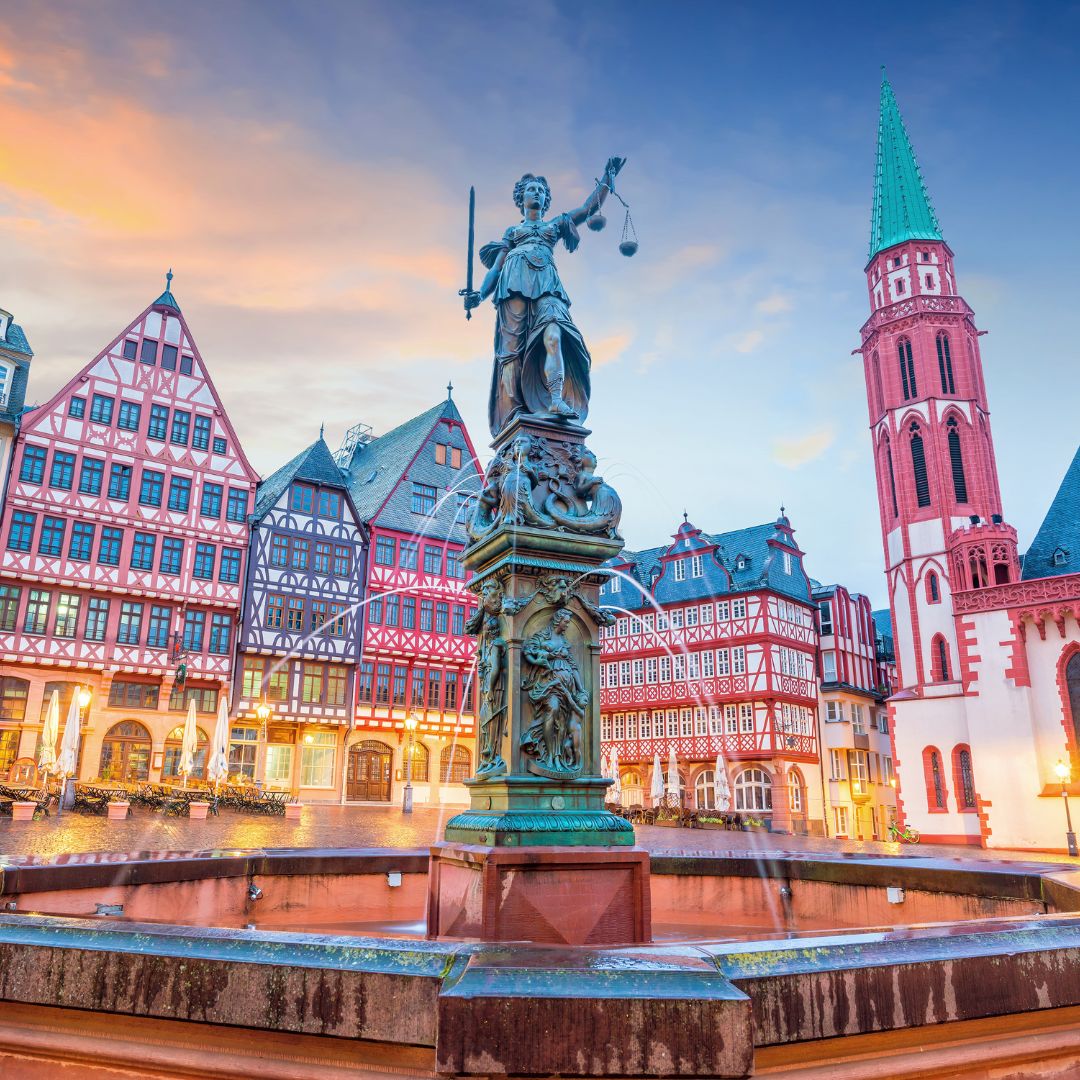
<point x="387" y="827"/>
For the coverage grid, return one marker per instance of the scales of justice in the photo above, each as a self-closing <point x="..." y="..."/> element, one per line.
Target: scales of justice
<point x="537" y="856"/>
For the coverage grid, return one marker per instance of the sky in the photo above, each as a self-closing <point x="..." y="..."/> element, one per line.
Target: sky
<point x="304" y="169"/>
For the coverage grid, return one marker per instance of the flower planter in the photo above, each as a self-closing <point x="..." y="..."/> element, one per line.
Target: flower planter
<point x="714" y="826"/>
<point x="668" y="823"/>
<point x="755" y="828"/>
<point x="23" y="811"/>
<point x="197" y="810"/>
<point x="119" y="809"/>
<point x="292" y="811"/>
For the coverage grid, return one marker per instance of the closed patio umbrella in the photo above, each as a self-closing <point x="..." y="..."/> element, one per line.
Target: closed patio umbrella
<point x="67" y="762"/>
<point x="656" y="792"/>
<point x="673" y="774"/>
<point x="49" y="732"/>
<point x="721" y="786"/>
<point x="616" y="788"/>
<point x="217" y="761"/>
<point x="189" y="744"/>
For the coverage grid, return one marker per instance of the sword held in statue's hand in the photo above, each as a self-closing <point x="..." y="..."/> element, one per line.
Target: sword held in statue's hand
<point x="467" y="292"/>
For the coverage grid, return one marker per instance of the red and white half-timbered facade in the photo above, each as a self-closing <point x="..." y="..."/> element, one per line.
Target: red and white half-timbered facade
<point x="713" y="653"/>
<point x="124" y="543"/>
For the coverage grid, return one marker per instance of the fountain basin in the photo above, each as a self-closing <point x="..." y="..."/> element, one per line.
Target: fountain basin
<point x="808" y="970"/>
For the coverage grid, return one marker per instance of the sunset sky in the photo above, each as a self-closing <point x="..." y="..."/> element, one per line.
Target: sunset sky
<point x="304" y="169"/>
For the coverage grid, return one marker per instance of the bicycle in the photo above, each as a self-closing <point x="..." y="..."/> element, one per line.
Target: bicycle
<point x="908" y="834"/>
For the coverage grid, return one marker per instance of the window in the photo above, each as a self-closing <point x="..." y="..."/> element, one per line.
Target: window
<point x="211" y="500"/>
<point x="168" y="358"/>
<point x="9" y="606"/>
<point x="454" y="765"/>
<point x="142" y="551"/>
<point x="159" y="422"/>
<point x="67" y="615"/>
<point x="738" y="609"/>
<point x="858" y="719"/>
<point x="303" y="498"/>
<point x="408" y="612"/>
<point x="939" y="659"/>
<point x="883" y="723"/>
<point x="936" y="795"/>
<point x="892" y="477"/>
<point x="130" y="627"/>
<point x="408" y="555"/>
<point x="317" y="752"/>
<point x="236" y="508"/>
<point x="836" y="765"/>
<point x="423" y="499"/>
<point x="317" y="614"/>
<point x="97" y="618"/>
<point x="203" y="567"/>
<point x="697" y="568"/>
<point x="77" y="407"/>
<point x="221" y="446"/>
<point x="374" y="608"/>
<point x="127" y="694"/>
<point x="400" y="676"/>
<point x="275" y="612"/>
<point x="229" y="569"/>
<point x="62" y="473"/>
<point x="131" y="349"/>
<point x="109" y="549"/>
<point x="840" y="813"/>
<point x="130" y="414"/>
<point x="393" y="609"/>
<point x="382" y="684"/>
<point x="200" y="434"/>
<point x="181" y="424"/>
<point x="834" y="712"/>
<point x="746" y="717"/>
<point x="828" y="666"/>
<point x="427" y="612"/>
<point x="279" y="550"/>
<point x="918" y="467"/>
<point x="174" y="745"/>
<point x="21" y="534"/>
<point x="321" y="565"/>
<point x="933" y="590"/>
<point x="964" y="779"/>
<point x="179" y="493"/>
<point x="434" y="689"/>
<point x="363" y="689"/>
<point x="157" y="635"/>
<point x="32" y="470"/>
<point x="150" y="487"/>
<point x="294" y="618"/>
<point x="187" y="364"/>
<point x="101" y="409"/>
<point x="51" y="541"/>
<point x="337" y="684"/>
<point x="120" y="482"/>
<point x="172" y="555"/>
<point x="753" y="790"/>
<point x="680" y="569"/>
<point x="956" y="460"/>
<point x="220" y="632"/>
<point x="299" y="550"/>
<point x="457" y="627"/>
<point x="447" y="455"/>
<point x="454" y="568"/>
<point x="384" y="551"/>
<point x="433" y="561"/>
<point x="944" y="359"/>
<point x="329" y="504"/>
<point x="148" y="352"/>
<point x="194" y="626"/>
<point x="738" y="660"/>
<point x="243" y="749"/>
<point x="442" y="617"/>
<point x="825" y="622"/>
<point x="907" y="368"/>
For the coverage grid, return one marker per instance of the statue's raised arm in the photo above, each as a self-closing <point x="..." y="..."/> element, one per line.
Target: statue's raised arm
<point x="607" y="184"/>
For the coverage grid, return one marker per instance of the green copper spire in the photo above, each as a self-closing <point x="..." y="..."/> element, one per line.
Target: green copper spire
<point x="902" y="209"/>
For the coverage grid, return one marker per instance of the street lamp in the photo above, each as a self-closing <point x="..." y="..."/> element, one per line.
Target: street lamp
<point x="1062" y="771"/>
<point x="406" y="798"/>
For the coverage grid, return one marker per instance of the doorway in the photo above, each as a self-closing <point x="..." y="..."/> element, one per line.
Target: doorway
<point x="367" y="778"/>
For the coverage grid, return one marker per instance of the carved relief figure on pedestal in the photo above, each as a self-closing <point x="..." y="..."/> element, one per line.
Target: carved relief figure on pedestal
<point x="604" y="505"/>
<point x="491" y="679"/>
<point x="557" y="694"/>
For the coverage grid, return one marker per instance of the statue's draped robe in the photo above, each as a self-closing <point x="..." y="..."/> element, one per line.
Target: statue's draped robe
<point x="528" y="298"/>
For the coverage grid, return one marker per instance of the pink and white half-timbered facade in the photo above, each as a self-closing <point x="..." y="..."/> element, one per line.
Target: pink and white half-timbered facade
<point x="124" y="543"/>
<point x="713" y="653"/>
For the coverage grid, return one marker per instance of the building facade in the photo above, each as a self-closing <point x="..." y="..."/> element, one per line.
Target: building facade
<point x="411" y="488"/>
<point x="125" y="537"/>
<point x="713" y="654"/>
<point x="15" y="358"/>
<point x="294" y="692"/>
<point x="856" y="748"/>
<point x="989" y="697"/>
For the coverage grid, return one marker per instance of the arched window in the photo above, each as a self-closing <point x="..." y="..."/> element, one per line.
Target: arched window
<point x="892" y="476"/>
<point x="705" y="790"/>
<point x="418" y="761"/>
<point x="173" y="749"/>
<point x="125" y="752"/>
<point x="939" y="659"/>
<point x="964" y="779"/>
<point x="944" y="360"/>
<point x="796" y="797"/>
<point x="918" y="467"/>
<point x="753" y="790"/>
<point x="633" y="791"/>
<point x="907" y="368"/>
<point x="956" y="458"/>
<point x="936" y="794"/>
<point x="879" y="397"/>
<point x="933" y="590"/>
<point x="454" y="765"/>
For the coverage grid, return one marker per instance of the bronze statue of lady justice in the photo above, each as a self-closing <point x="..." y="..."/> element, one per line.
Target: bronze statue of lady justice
<point x="541" y="360"/>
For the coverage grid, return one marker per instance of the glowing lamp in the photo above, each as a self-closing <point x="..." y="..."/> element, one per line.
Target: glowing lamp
<point x="84" y="698"/>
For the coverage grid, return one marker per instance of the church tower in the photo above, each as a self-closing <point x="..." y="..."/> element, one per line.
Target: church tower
<point x="941" y="515"/>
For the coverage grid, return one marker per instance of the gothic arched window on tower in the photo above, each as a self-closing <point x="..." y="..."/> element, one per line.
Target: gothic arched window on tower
<point x="907" y="368"/>
<point x="936" y="795"/>
<point x="933" y="590"/>
<point x="892" y="477"/>
<point x="918" y="466"/>
<point x="964" y="779"/>
<point x="879" y="398"/>
<point x="944" y="360"/>
<point x="939" y="659"/>
<point x="956" y="458"/>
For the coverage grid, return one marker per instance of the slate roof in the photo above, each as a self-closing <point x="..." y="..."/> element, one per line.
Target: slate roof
<point x="315" y="464"/>
<point x="15" y="340"/>
<point x="721" y="574"/>
<point x="18" y="351"/>
<point x="1060" y="531"/>
<point x="902" y="209"/>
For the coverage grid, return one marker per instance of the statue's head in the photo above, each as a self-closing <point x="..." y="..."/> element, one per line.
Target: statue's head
<point x="561" y="619"/>
<point x="532" y="192"/>
<point x="588" y="461"/>
<point x="521" y="447"/>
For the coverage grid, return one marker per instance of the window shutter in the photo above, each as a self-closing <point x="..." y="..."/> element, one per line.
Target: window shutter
<point x="957" y="459"/>
<point x="918" y="464"/>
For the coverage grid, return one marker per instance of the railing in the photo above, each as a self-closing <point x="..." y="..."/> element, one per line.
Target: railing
<point x="914" y="305"/>
<point x="1018" y="594"/>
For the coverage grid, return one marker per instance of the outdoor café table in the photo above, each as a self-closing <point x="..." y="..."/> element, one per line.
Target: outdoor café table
<point x="178" y="797"/>
<point x="26" y="793"/>
<point x="94" y="797"/>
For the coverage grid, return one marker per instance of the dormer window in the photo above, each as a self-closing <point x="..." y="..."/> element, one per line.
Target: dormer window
<point x="613" y="585"/>
<point x="697" y="568"/>
<point x="740" y="563"/>
<point x="1061" y="557"/>
<point x="447" y="455"/>
<point x="787" y="562"/>
<point x="6" y="372"/>
<point x="680" y="570"/>
<point x="5" y="322"/>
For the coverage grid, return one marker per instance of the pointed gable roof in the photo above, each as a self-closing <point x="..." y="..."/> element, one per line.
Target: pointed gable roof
<point x="1060" y="531"/>
<point x="902" y="209"/>
<point x="315" y="464"/>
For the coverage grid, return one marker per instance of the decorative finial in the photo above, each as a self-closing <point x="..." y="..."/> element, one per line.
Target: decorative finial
<point x="685" y="518"/>
<point x="322" y="429"/>
<point x="782" y="510"/>
<point x="450" y="391"/>
<point x="168" y="280"/>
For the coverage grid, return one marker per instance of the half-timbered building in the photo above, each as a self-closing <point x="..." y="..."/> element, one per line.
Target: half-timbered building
<point x="302" y="630"/>
<point x="123" y="549"/>
<point x="712" y="653"/>
<point x="15" y="358"/>
<point x="411" y="487"/>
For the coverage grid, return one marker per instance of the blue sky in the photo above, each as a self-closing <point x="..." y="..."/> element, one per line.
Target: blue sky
<point x="304" y="168"/>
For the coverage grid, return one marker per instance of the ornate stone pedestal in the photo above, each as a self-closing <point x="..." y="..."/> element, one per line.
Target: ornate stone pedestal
<point x="537" y="856"/>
